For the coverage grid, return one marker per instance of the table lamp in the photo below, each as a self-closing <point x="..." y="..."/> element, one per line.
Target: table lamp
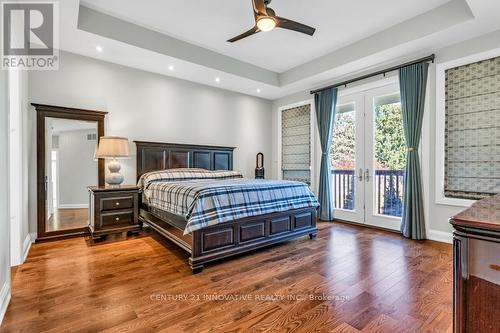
<point x="113" y="148"/>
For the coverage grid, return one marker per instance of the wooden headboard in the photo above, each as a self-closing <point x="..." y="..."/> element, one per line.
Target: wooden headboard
<point x="152" y="156"/>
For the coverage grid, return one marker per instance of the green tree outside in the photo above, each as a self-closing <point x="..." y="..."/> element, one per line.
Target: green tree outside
<point x="390" y="147"/>
<point x="343" y="151"/>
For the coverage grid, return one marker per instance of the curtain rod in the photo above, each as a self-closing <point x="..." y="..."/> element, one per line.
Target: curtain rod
<point x="390" y="69"/>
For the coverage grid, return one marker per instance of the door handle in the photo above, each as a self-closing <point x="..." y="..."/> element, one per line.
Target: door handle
<point x="360" y="175"/>
<point x="367" y="175"/>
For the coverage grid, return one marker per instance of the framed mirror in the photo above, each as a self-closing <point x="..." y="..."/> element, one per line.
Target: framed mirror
<point x="66" y="165"/>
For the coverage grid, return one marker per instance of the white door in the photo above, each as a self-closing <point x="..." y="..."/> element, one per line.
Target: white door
<point x="348" y="159"/>
<point x="368" y="157"/>
<point x="385" y="157"/>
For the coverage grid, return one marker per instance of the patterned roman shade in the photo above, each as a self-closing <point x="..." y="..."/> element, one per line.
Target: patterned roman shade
<point x="472" y="137"/>
<point x="296" y="143"/>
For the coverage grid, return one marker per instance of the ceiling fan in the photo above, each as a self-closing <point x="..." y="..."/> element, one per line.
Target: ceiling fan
<point x="266" y="20"/>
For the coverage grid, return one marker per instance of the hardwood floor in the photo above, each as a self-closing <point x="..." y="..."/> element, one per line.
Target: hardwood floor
<point x="68" y="218"/>
<point x="349" y="279"/>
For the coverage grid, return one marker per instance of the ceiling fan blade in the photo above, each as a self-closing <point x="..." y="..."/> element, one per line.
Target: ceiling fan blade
<point x="259" y="8"/>
<point x="250" y="32"/>
<point x="295" y="26"/>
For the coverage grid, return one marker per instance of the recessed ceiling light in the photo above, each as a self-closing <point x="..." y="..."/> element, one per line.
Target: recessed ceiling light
<point x="171" y="68"/>
<point x="98" y="48"/>
<point x="217" y="79"/>
<point x="258" y="90"/>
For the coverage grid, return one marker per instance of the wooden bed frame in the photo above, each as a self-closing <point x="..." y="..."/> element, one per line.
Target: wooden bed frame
<point x="225" y="239"/>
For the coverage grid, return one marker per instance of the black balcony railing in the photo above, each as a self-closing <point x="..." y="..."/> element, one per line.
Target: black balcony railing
<point x="388" y="191"/>
<point x="343" y="189"/>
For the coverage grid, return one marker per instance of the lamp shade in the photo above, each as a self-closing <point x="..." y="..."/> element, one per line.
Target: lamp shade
<point x="113" y="147"/>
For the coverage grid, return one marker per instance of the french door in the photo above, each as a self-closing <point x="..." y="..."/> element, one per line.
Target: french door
<point x="368" y="157"/>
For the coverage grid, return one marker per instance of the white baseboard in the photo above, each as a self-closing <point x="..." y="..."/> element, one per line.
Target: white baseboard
<point x="440" y="236"/>
<point x="27" y="246"/>
<point x="4" y="299"/>
<point x="73" y="206"/>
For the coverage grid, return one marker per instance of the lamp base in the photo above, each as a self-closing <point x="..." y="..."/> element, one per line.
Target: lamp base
<point x="114" y="177"/>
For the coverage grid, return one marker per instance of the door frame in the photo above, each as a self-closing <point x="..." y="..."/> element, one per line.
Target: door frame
<point x="42" y="112"/>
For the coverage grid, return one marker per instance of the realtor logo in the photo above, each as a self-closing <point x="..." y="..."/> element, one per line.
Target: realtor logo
<point x="30" y="35"/>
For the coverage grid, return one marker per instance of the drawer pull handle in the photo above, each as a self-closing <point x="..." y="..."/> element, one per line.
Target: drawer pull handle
<point x="118" y="204"/>
<point x="117" y="219"/>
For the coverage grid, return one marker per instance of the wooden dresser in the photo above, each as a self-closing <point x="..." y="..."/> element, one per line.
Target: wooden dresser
<point x="476" y="268"/>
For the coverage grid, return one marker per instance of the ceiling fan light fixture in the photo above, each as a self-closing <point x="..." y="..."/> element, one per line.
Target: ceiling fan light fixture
<point x="266" y="20"/>
<point x="266" y="23"/>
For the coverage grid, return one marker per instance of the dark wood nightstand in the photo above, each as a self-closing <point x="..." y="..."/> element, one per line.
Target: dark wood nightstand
<point x="113" y="210"/>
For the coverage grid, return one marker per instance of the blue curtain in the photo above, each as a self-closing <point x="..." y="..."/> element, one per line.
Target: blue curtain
<point x="413" y="83"/>
<point x="326" y="102"/>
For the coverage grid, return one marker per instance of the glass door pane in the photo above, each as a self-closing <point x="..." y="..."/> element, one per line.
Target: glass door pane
<point x="343" y="157"/>
<point x="390" y="156"/>
<point x="346" y="158"/>
<point x="386" y="149"/>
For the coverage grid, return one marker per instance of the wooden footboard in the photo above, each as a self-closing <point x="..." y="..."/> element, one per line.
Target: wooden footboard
<point x="239" y="236"/>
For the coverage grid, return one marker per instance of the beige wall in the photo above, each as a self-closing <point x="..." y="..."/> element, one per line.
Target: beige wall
<point x="152" y="107"/>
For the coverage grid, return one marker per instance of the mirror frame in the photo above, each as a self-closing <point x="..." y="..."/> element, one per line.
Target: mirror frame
<point x="43" y="111"/>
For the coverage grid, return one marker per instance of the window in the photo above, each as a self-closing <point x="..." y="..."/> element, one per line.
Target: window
<point x="296" y="143"/>
<point x="472" y="130"/>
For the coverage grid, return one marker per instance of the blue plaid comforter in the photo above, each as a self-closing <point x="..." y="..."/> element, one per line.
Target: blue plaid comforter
<point x="205" y="202"/>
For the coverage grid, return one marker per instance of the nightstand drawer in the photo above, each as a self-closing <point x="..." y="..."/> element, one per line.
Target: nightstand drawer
<point x="117" y="219"/>
<point x="117" y="203"/>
